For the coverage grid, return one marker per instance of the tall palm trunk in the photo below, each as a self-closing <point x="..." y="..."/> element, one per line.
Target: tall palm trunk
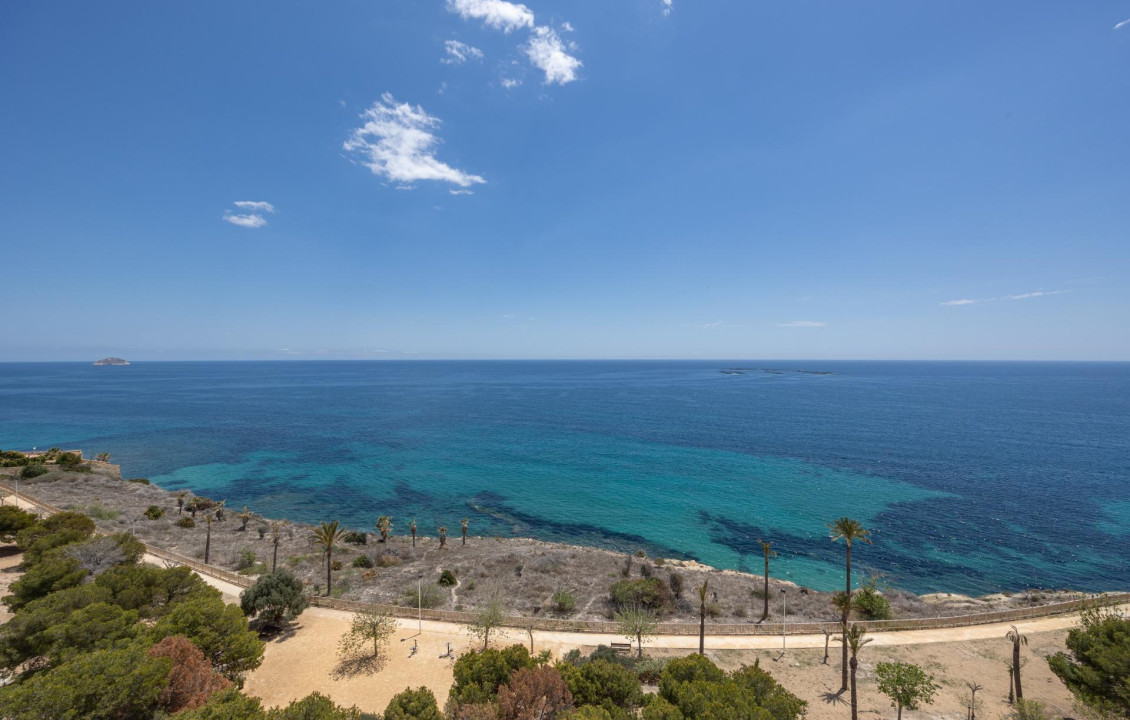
<point x="854" y="700"/>
<point x="1016" y="667"/>
<point x="702" y="629"/>
<point x="275" y="555"/>
<point x="765" y="612"/>
<point x="329" y="569"/>
<point x="846" y="617"/>
<point x="208" y="541"/>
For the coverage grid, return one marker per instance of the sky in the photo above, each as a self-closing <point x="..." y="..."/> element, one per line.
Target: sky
<point x="585" y="179"/>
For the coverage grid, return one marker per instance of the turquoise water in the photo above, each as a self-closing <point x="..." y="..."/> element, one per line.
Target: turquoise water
<point x="974" y="477"/>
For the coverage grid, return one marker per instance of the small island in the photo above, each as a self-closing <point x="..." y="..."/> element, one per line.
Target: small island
<point x="112" y="361"/>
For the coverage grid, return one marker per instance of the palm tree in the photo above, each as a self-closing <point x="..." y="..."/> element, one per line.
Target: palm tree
<point x="442" y="536"/>
<point x="412" y="529"/>
<point x="276" y="536"/>
<point x="464" y="522"/>
<point x="244" y="518"/>
<point x="827" y="636"/>
<point x="180" y="502"/>
<point x="327" y="536"/>
<point x="847" y="530"/>
<point x="854" y="639"/>
<point x="1016" y="638"/>
<point x="973" y="688"/>
<point x="220" y="510"/>
<point x="1011" y="684"/>
<point x="208" y="539"/>
<point x="384" y="526"/>
<point x="702" y="617"/>
<point x="767" y="548"/>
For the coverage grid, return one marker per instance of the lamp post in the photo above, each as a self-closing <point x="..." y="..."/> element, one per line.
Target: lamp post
<point x="783" y="620"/>
<point x="420" y="603"/>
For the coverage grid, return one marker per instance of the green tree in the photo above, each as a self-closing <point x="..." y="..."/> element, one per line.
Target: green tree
<point x="29" y="633"/>
<point x="100" y="626"/>
<point x="487" y="617"/>
<point x="854" y="640"/>
<point x="326" y="537"/>
<point x="12" y="521"/>
<point x="1096" y="668"/>
<point x="657" y="709"/>
<point x="907" y="685"/>
<point x="1017" y="638"/>
<point x="230" y="704"/>
<point x="768" y="551"/>
<point x="53" y="572"/>
<point x="314" y="706"/>
<point x="384" y="527"/>
<point x="479" y="673"/>
<point x="219" y="630"/>
<point x="849" y="531"/>
<point x="104" y="685"/>
<point x="369" y="633"/>
<point x="413" y="704"/>
<point x="54" y="531"/>
<point x="276" y="598"/>
<point x="600" y="682"/>
<point x="637" y="623"/>
<point x="768" y="693"/>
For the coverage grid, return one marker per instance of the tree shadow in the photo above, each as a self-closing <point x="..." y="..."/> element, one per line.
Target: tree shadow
<point x="352" y="666"/>
<point x="834" y="698"/>
<point x="273" y="633"/>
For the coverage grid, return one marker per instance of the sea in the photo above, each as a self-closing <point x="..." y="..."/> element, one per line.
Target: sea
<point x="972" y="477"/>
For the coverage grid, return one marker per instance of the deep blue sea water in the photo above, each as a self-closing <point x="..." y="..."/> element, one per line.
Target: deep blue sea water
<point x="974" y="477"/>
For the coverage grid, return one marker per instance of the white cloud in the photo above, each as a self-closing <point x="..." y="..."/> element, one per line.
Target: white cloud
<point x="667" y="5"/>
<point x="462" y="192"/>
<point x="1038" y="293"/>
<point x="547" y="53"/>
<point x="252" y="219"/>
<point x="509" y="83"/>
<point x="254" y="206"/>
<point x="566" y="27"/>
<point x="498" y="14"/>
<point x="247" y="221"/>
<point x="1122" y="24"/>
<point x="459" y="53"/>
<point x="396" y="142"/>
<point x="1021" y="296"/>
<point x="801" y="323"/>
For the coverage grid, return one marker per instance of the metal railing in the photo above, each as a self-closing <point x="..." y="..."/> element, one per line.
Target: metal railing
<point x="611" y="628"/>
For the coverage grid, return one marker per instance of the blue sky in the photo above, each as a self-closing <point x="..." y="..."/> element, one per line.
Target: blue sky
<point x="597" y="178"/>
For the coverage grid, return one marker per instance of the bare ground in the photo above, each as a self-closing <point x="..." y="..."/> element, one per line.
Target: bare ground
<point x="526" y="572"/>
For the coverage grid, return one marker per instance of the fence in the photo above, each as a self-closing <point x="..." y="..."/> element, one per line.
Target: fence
<point x="611" y="628"/>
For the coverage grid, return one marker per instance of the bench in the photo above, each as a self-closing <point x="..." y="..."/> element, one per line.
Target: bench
<point x="622" y="648"/>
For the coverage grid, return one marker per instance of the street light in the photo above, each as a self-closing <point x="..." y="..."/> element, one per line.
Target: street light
<point x="783" y="621"/>
<point x="420" y="603"/>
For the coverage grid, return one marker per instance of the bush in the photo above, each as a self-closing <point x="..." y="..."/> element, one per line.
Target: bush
<point x="68" y="460"/>
<point x="362" y="561"/>
<point x="355" y="538"/>
<point x="98" y="511"/>
<point x="154" y="512"/>
<point x="699" y="690"/>
<point x="447" y="579"/>
<point x="384" y="560"/>
<point x="534" y="693"/>
<point x="418" y="704"/>
<point x="247" y="559"/>
<point x="186" y="522"/>
<point x="600" y="682"/>
<point x="563" y="602"/>
<point x="869" y="601"/>
<point x="675" y="582"/>
<point x="33" y="470"/>
<point x="275" y="598"/>
<point x="140" y="481"/>
<point x="336" y="565"/>
<point x="479" y="674"/>
<point x="429" y="596"/>
<point x="13" y="520"/>
<point x="649" y="593"/>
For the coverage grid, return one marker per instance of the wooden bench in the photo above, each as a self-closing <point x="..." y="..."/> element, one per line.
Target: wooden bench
<point x="623" y="648"/>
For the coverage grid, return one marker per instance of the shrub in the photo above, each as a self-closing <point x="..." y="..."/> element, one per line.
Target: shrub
<point x="600" y="682"/>
<point x="69" y="460"/>
<point x="586" y="712"/>
<point x="354" y="537"/>
<point x="140" y="481"/>
<point x="13" y="520"/>
<point x="418" y="704"/>
<point x="186" y="522"/>
<point x="563" y="602"/>
<point x="362" y="561"/>
<point x="646" y="570"/>
<point x="660" y="709"/>
<point x="447" y="579"/>
<point x="98" y="511"/>
<point x="33" y="470"/>
<point x="275" y="598"/>
<point x="247" y="559"/>
<point x="429" y="596"/>
<point x="479" y="674"/>
<point x="154" y="512"/>
<point x="648" y="593"/>
<point x="384" y="560"/>
<point x="675" y="582"/>
<point x="869" y="601"/>
<point x="336" y="565"/>
<point x="534" y="694"/>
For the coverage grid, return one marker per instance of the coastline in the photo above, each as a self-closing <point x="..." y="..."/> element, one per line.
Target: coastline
<point x="530" y="574"/>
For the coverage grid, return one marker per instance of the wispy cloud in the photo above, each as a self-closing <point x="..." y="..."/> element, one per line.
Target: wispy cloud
<point x="459" y="53"/>
<point x="252" y="219"/>
<point x="509" y="83"/>
<point x="548" y="53"/>
<point x="802" y="323"/>
<point x="498" y="14"/>
<point x="397" y="142"/>
<point x="1021" y="296"/>
<point x="462" y="192"/>
<point x="1122" y="24"/>
<point x="667" y="5"/>
<point x="566" y="27"/>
